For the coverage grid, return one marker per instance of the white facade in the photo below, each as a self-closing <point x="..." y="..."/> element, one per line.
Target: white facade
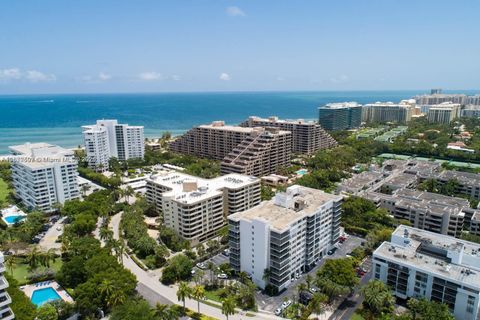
<point x="5" y="299"/>
<point x="287" y="235"/>
<point x="44" y="175"/>
<point x="107" y="139"/>
<point x="196" y="208"/>
<point x="423" y="264"/>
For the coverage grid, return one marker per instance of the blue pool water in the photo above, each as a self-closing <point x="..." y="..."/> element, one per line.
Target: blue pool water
<point x="13" y="219"/>
<point x="302" y="171"/>
<point x="41" y="296"/>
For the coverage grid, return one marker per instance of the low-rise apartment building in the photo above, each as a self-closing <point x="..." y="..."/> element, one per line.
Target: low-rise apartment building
<point x="287" y="235"/>
<point x="421" y="264"/>
<point x="107" y="139"/>
<point x="44" y="175"/>
<point x="468" y="182"/>
<point x="307" y="136"/>
<point x="197" y="208"/>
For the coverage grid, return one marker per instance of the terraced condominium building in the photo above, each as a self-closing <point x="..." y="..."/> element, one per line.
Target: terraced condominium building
<point x="340" y="116"/>
<point x="107" y="139"/>
<point x="251" y="151"/>
<point x="422" y="264"/>
<point x="197" y="208"/>
<point x="307" y="136"/>
<point x="261" y="153"/>
<point x="437" y="98"/>
<point x="443" y="113"/>
<point x="44" y="175"/>
<point x="5" y="299"/>
<point x="382" y="112"/>
<point x="286" y="235"/>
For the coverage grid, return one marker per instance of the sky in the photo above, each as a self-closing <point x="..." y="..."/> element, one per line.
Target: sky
<point x="93" y="46"/>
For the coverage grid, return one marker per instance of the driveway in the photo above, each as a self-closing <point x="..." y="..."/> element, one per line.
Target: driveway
<point x="48" y="241"/>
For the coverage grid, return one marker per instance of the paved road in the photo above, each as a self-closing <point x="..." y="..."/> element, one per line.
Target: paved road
<point x="268" y="303"/>
<point x="155" y="291"/>
<point x="48" y="241"/>
<point x="348" y="306"/>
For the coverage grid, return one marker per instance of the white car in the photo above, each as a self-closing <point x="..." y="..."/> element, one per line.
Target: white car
<point x="222" y="276"/>
<point x="201" y="265"/>
<point x="286" y="304"/>
<point x="313" y="290"/>
<point x="278" y="311"/>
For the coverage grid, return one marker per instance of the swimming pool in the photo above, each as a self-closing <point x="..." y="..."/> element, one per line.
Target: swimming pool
<point x="41" y="296"/>
<point x="302" y="172"/>
<point x="13" y="219"/>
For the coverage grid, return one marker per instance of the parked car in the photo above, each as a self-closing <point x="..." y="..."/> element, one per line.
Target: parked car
<point x="305" y="297"/>
<point x="286" y="304"/>
<point x="278" y="311"/>
<point x="222" y="276"/>
<point x="201" y="265"/>
<point x="313" y="289"/>
<point x="226" y="252"/>
<point x="331" y="251"/>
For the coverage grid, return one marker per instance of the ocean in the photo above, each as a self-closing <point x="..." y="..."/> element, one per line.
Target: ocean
<point x="57" y="118"/>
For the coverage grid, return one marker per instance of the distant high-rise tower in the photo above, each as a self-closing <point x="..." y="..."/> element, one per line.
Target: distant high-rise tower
<point x="340" y="116"/>
<point x="436" y="91"/>
<point x="108" y="139"/>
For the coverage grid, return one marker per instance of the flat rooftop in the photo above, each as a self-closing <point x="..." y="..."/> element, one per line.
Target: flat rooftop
<point x="453" y="258"/>
<point x="286" y="121"/>
<point x="220" y="125"/>
<point x="467" y="178"/>
<point x="280" y="217"/>
<point x="200" y="189"/>
<point x="37" y="155"/>
<point x="340" y="105"/>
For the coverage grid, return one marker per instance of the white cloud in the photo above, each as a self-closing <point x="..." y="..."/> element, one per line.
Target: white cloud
<point x="104" y="76"/>
<point x="150" y="76"/>
<point x="176" y="77"/>
<point x="30" y="75"/>
<point x="225" y="77"/>
<point x="235" y="12"/>
<point x="340" y="79"/>
<point x="37" y="76"/>
<point x="10" y="74"/>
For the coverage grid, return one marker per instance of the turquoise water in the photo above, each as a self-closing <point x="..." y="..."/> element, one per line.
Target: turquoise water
<point x="302" y="172"/>
<point x="57" y="118"/>
<point x="13" y="219"/>
<point x="41" y="296"/>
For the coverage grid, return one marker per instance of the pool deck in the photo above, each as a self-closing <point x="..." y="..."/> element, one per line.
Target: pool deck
<point x="12" y="211"/>
<point x="30" y="288"/>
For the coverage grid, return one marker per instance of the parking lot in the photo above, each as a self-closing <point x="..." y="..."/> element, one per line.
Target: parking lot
<point x="268" y="303"/>
<point x="217" y="260"/>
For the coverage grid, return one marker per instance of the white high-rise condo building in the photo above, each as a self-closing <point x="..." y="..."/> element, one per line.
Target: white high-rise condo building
<point x="107" y="139"/>
<point x="422" y="264"/>
<point x="44" y="175"/>
<point x="286" y="235"/>
<point x="382" y="112"/>
<point x="5" y="299"/>
<point x="197" y="208"/>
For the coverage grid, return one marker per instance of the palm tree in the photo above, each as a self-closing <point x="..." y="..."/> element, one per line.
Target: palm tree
<point x="85" y="188"/>
<point x="106" y="288"/>
<point x="211" y="268"/>
<point x="316" y="304"/>
<point x="116" y="298"/>
<point x="183" y="292"/>
<point x="378" y="297"/>
<point x="266" y="275"/>
<point x="300" y="288"/>
<point x="228" y="306"/>
<point x="308" y="281"/>
<point x="10" y="263"/>
<point x="105" y="234"/>
<point x="165" y="312"/>
<point x="33" y="258"/>
<point x="198" y="293"/>
<point x="119" y="248"/>
<point x="242" y="276"/>
<point x="50" y="256"/>
<point x="128" y="192"/>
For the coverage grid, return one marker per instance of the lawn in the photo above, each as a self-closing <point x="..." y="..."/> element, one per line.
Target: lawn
<point x="356" y="316"/>
<point x="20" y="271"/>
<point x="3" y="190"/>
<point x="213" y="295"/>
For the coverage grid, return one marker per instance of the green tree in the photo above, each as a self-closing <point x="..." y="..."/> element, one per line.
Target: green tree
<point x="183" y="292"/>
<point x="47" y="312"/>
<point x="228" y="306"/>
<point x="165" y="312"/>
<point x="137" y="309"/>
<point x="339" y="271"/>
<point x="424" y="310"/>
<point x="33" y="258"/>
<point x="198" y="293"/>
<point x="378" y="298"/>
